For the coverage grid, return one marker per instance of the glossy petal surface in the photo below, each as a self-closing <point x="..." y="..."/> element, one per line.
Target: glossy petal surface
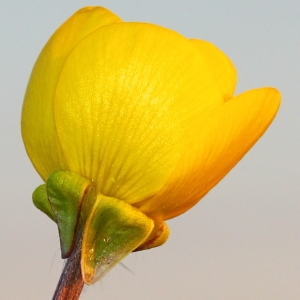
<point x="213" y="149"/>
<point x="125" y="99"/>
<point x="38" y="128"/>
<point x="221" y="66"/>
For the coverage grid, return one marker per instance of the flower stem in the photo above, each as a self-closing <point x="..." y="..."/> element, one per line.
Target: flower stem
<point x="71" y="283"/>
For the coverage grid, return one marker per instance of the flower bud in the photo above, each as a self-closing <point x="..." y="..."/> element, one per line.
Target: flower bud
<point x="130" y="124"/>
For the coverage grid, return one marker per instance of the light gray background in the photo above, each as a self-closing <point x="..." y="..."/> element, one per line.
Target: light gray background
<point x="242" y="240"/>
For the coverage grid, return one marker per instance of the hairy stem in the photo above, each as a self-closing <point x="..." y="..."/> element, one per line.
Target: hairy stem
<point x="70" y="283"/>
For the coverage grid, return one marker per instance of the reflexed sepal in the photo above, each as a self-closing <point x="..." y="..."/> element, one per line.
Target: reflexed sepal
<point x="158" y="236"/>
<point x="113" y="230"/>
<point x="65" y="192"/>
<point x="40" y="200"/>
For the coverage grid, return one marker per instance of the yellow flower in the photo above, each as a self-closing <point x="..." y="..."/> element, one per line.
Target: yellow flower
<point x="142" y="117"/>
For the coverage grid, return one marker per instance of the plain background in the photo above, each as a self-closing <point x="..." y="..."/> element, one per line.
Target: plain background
<point x="242" y="241"/>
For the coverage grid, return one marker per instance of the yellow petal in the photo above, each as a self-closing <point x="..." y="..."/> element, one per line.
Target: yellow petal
<point x="221" y="65"/>
<point x="213" y="150"/>
<point x="126" y="95"/>
<point x="38" y="128"/>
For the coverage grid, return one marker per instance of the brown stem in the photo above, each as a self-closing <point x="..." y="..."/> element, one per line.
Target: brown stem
<point x="70" y="283"/>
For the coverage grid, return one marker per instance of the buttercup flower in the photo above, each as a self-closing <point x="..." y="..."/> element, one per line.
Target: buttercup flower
<point x="131" y="124"/>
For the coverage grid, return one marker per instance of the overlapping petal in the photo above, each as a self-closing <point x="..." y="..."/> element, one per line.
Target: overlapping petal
<point x="126" y="96"/>
<point x="213" y="149"/>
<point x="221" y="65"/>
<point x="38" y="128"/>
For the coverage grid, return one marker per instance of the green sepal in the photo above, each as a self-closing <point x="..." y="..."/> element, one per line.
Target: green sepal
<point x="66" y="191"/>
<point x="40" y="200"/>
<point x="113" y="230"/>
